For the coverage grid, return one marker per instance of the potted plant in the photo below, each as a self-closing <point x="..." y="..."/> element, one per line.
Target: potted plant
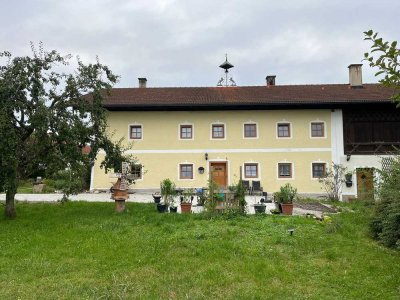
<point x="157" y="197"/>
<point x="260" y="208"/>
<point x="186" y="200"/>
<point x="285" y="198"/>
<point x="349" y="179"/>
<point x="173" y="208"/>
<point x="168" y="191"/>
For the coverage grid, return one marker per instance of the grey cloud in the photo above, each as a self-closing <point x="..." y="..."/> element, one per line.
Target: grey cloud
<point x="181" y="43"/>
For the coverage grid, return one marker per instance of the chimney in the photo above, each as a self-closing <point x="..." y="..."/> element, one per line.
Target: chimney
<point x="355" y="76"/>
<point x="270" y="80"/>
<point x="142" y="82"/>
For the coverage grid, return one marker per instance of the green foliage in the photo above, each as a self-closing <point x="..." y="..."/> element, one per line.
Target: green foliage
<point x="168" y="190"/>
<point x="188" y="195"/>
<point x="332" y="182"/>
<point x="385" y="56"/>
<point x="84" y="250"/>
<point x="213" y="196"/>
<point x="47" y="116"/>
<point x="286" y="194"/>
<point x="385" y="223"/>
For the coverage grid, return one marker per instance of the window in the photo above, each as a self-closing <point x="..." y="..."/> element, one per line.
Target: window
<point x="284" y="130"/>
<point x="317" y="129"/>
<point x="250" y="130"/>
<point x="218" y="131"/>
<point x="251" y="170"/>
<point x="318" y="170"/>
<point x="186" y="132"/>
<point x="186" y="171"/>
<point x="136" y="132"/>
<point x="136" y="171"/>
<point x="285" y="170"/>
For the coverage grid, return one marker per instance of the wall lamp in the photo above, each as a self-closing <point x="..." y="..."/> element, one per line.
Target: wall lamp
<point x="206" y="156"/>
<point x="348" y="157"/>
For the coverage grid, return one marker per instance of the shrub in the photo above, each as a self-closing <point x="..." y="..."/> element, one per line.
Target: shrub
<point x="385" y="223"/>
<point x="286" y="194"/>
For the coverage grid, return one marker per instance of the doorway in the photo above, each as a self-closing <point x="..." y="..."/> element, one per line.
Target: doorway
<point x="365" y="183"/>
<point x="219" y="173"/>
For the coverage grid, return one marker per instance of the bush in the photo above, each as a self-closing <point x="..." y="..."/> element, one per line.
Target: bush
<point x="385" y="223"/>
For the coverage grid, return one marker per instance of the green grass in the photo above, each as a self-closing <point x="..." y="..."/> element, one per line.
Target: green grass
<point x="85" y="250"/>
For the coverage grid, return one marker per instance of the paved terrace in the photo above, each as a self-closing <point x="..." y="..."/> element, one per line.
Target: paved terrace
<point x="146" y="197"/>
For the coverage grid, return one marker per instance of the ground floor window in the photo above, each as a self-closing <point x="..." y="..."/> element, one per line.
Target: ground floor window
<point x="318" y="170"/>
<point x="186" y="171"/>
<point x="251" y="170"/>
<point x="136" y="171"/>
<point x="285" y="170"/>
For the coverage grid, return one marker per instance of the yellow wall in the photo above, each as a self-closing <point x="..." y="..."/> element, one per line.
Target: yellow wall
<point x="161" y="151"/>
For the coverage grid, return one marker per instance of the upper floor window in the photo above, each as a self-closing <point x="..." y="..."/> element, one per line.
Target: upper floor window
<point x="251" y="170"/>
<point x="318" y="170"/>
<point x="283" y="130"/>
<point x="250" y="130"/>
<point x="218" y="131"/>
<point x="136" y="132"/>
<point x="186" y="132"/>
<point x="186" y="171"/>
<point x="285" y="170"/>
<point x="317" y="129"/>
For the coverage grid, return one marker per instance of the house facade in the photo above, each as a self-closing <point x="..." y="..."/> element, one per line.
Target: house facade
<point x="272" y="134"/>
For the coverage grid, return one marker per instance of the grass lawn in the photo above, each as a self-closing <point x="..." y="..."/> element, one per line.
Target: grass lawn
<point x="85" y="250"/>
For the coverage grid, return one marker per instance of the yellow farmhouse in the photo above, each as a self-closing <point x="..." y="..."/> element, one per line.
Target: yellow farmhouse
<point x="268" y="135"/>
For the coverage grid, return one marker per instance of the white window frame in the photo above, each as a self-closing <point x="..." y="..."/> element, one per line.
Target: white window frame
<point x="129" y="131"/>
<point x="285" y="162"/>
<point x="142" y="173"/>
<point x="179" y="131"/>
<point x="250" y="123"/>
<point x="325" y="130"/>
<point x="179" y="171"/>
<point x="211" y="131"/>
<point x="290" y="130"/>
<point x="258" y="170"/>
<point x="318" y="162"/>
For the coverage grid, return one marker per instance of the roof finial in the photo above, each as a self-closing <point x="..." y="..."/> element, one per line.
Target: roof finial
<point x="226" y="66"/>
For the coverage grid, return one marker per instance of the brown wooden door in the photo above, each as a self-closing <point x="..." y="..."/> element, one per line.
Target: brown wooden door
<point x="365" y="184"/>
<point x="219" y="173"/>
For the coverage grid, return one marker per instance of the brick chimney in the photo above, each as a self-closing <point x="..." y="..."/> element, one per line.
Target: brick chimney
<point x="270" y="80"/>
<point x="142" y="82"/>
<point x="355" y="76"/>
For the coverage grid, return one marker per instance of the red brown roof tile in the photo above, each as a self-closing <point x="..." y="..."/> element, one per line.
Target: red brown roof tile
<point x="247" y="95"/>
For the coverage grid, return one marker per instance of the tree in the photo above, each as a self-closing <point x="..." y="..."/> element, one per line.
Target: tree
<point x="333" y="181"/>
<point x="47" y="116"/>
<point x="386" y="57"/>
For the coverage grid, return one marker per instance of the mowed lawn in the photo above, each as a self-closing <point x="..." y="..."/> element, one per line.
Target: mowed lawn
<point x="84" y="250"/>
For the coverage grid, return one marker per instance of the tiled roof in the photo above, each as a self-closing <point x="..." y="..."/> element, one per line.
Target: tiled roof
<point x="247" y="95"/>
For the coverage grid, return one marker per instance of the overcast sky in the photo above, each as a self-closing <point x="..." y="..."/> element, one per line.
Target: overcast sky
<point x="182" y="43"/>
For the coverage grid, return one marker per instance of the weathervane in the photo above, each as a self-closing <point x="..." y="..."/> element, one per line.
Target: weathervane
<point x="226" y="66"/>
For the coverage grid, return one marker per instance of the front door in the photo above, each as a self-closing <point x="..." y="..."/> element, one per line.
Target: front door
<point x="365" y="184"/>
<point x="219" y="173"/>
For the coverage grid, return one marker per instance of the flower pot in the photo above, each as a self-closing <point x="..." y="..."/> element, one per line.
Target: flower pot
<point x="186" y="207"/>
<point x="157" y="199"/>
<point x="260" y="208"/>
<point x="278" y="207"/>
<point x="287" y="208"/>
<point x="162" y="208"/>
<point x="173" y="209"/>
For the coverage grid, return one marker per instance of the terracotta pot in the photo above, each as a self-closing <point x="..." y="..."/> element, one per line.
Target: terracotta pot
<point x="287" y="208"/>
<point x="186" y="207"/>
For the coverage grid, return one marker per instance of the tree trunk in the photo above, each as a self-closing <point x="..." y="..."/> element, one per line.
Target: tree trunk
<point x="10" y="205"/>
